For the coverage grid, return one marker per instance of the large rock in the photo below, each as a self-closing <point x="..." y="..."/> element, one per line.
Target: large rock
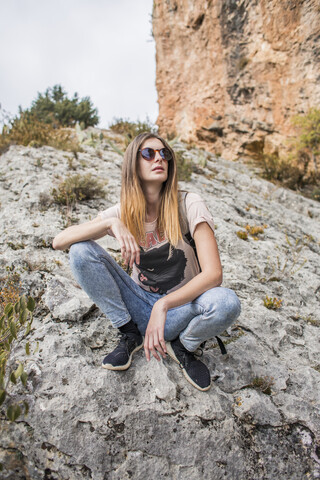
<point x="261" y="418"/>
<point x="231" y="74"/>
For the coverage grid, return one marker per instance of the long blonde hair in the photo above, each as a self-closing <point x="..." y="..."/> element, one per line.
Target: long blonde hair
<point x="133" y="203"/>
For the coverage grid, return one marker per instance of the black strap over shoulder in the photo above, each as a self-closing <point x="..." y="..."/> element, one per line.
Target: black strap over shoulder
<point x="184" y="224"/>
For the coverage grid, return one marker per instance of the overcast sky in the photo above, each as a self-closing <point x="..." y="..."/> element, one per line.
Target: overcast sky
<point x="99" y="48"/>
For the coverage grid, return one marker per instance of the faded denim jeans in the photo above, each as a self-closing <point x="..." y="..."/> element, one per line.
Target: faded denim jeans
<point x="121" y="299"/>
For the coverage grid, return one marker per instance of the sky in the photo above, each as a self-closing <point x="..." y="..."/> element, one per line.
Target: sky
<point x="103" y="49"/>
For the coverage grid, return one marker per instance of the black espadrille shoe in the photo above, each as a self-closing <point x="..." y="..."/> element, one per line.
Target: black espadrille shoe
<point x="121" y="357"/>
<point x="195" y="371"/>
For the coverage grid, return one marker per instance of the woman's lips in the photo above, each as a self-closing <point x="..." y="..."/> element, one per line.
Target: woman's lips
<point x="158" y="168"/>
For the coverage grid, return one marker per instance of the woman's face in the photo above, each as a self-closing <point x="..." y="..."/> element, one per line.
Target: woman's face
<point x="156" y="170"/>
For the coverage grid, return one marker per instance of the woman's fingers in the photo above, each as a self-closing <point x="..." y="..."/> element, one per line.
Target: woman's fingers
<point x="135" y="252"/>
<point x="164" y="347"/>
<point x="155" y="354"/>
<point x="146" y="351"/>
<point x="154" y="345"/>
<point x="129" y="250"/>
<point x="158" y="344"/>
<point x="126" y="249"/>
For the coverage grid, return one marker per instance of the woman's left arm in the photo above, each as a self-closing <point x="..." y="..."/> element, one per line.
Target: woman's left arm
<point x="209" y="277"/>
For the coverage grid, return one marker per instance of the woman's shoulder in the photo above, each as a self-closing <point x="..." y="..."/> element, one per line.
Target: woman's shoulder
<point x="113" y="211"/>
<point x="190" y="197"/>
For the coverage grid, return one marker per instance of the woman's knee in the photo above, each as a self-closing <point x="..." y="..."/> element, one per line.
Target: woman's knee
<point x="234" y="305"/>
<point x="221" y="300"/>
<point x="79" y="253"/>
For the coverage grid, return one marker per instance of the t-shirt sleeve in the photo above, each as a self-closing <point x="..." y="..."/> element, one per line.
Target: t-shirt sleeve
<point x="197" y="212"/>
<point x="109" y="213"/>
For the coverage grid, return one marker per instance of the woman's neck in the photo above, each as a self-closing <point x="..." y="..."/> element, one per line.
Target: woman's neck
<point x="152" y="196"/>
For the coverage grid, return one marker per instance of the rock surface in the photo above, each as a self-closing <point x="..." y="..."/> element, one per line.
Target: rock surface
<point x="261" y="418"/>
<point x="232" y="73"/>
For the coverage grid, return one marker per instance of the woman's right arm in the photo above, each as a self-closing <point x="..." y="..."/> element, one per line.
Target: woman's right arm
<point x="91" y="230"/>
<point x="98" y="228"/>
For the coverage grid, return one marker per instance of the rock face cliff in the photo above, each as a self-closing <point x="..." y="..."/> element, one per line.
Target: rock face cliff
<point x="261" y="418"/>
<point x="231" y="73"/>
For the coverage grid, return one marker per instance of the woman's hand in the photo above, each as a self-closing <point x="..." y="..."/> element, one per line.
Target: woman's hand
<point x="130" y="250"/>
<point x="154" y="336"/>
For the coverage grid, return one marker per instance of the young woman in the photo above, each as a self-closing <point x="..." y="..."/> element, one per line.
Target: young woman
<point x="172" y="298"/>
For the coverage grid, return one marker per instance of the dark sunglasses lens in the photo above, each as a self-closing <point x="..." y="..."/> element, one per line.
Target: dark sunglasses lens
<point x="165" y="154"/>
<point x="148" y="153"/>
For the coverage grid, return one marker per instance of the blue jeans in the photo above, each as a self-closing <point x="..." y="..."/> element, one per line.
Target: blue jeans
<point x="121" y="299"/>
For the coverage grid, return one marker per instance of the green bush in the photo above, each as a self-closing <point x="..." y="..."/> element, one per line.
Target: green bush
<point x="315" y="194"/>
<point x="309" y="139"/>
<point x="76" y="188"/>
<point x="299" y="169"/>
<point x="26" y="129"/>
<point x="131" y="129"/>
<point x="283" y="170"/>
<point x="54" y="107"/>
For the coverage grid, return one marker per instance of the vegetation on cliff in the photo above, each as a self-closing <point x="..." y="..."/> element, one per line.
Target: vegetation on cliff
<point x="299" y="169"/>
<point x="55" y="108"/>
<point x="46" y="122"/>
<point x="15" y="324"/>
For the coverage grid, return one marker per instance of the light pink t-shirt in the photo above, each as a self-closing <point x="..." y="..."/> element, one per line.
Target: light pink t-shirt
<point x="162" y="268"/>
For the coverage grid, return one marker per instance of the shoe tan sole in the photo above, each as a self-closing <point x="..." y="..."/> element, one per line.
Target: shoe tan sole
<point x="108" y="366"/>
<point x="173" y="356"/>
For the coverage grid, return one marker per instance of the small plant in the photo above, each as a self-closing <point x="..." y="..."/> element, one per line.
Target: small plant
<point x="263" y="384"/>
<point x="272" y="303"/>
<point x="10" y="289"/>
<point x="315" y="194"/>
<point x="233" y="337"/>
<point x="115" y="147"/>
<point x="45" y="200"/>
<point x="16" y="319"/>
<point x="131" y="129"/>
<point x="242" y="234"/>
<point x="184" y="166"/>
<point x="78" y="188"/>
<point x="253" y="231"/>
<point x="16" y="315"/>
<point x="308" y="319"/>
<point x="16" y="246"/>
<point x="286" y="265"/>
<point x="71" y="165"/>
<point x="39" y="162"/>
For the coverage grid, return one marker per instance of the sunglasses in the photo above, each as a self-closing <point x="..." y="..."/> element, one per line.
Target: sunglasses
<point x="150" y="153"/>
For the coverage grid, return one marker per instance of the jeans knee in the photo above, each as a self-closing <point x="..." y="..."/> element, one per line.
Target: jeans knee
<point x="223" y="303"/>
<point x="234" y="305"/>
<point x="78" y="254"/>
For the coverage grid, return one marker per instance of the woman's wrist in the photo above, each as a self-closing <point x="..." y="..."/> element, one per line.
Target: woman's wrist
<point x="161" y="304"/>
